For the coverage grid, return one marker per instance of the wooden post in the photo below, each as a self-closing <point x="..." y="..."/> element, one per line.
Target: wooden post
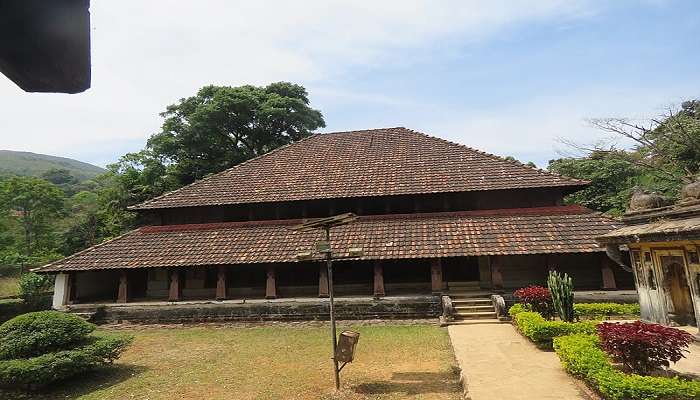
<point x="174" y="292"/>
<point x="71" y="290"/>
<point x="123" y="288"/>
<point x="271" y="287"/>
<point x="221" y="284"/>
<point x="496" y="276"/>
<point x="378" y="280"/>
<point x="322" y="280"/>
<point x="608" y="276"/>
<point x="436" y="275"/>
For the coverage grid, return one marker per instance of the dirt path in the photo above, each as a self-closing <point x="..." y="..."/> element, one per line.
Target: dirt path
<point x="498" y="363"/>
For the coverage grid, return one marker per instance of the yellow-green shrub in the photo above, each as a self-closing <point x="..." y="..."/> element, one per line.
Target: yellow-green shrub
<point x="541" y="331"/>
<point x="602" y="310"/>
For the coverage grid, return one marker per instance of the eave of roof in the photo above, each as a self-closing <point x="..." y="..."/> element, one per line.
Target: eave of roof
<point x="494" y="232"/>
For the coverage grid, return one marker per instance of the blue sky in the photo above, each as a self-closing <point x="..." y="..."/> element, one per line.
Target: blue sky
<point x="508" y="77"/>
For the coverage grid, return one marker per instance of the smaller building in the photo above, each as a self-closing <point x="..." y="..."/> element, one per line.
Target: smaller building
<point x="663" y="244"/>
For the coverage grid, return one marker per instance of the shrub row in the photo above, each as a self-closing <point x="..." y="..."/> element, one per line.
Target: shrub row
<point x="542" y="332"/>
<point x="581" y="356"/>
<point x="51" y="367"/>
<point x="602" y="310"/>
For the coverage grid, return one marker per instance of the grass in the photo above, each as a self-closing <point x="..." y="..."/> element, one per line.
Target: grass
<point x="270" y="362"/>
<point x="9" y="286"/>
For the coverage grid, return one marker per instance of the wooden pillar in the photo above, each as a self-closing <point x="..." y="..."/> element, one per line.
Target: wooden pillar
<point x="436" y="275"/>
<point x="123" y="294"/>
<point x="608" y="276"/>
<point x="496" y="276"/>
<point x="221" y="284"/>
<point x="271" y="286"/>
<point x="322" y="280"/>
<point x="174" y="292"/>
<point x="378" y="280"/>
<point x="71" y="289"/>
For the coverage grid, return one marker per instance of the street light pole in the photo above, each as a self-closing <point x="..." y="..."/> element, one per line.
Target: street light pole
<point x="329" y="264"/>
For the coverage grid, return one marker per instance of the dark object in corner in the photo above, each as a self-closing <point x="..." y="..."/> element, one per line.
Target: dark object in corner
<point x="45" y="45"/>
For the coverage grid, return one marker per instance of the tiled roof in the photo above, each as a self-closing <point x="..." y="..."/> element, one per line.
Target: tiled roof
<point x="661" y="230"/>
<point x="498" y="232"/>
<point x="378" y="162"/>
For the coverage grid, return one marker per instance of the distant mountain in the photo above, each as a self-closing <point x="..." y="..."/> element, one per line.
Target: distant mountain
<point x="32" y="164"/>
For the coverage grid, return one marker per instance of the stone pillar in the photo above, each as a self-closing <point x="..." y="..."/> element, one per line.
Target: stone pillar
<point x="174" y="292"/>
<point x="123" y="293"/>
<point x="61" y="291"/>
<point x="608" y="276"/>
<point x="271" y="286"/>
<point x="323" y="280"/>
<point x="221" y="284"/>
<point x="436" y="275"/>
<point x="496" y="276"/>
<point x="378" y="280"/>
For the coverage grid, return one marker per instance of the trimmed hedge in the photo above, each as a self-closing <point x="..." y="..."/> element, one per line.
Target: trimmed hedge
<point x="542" y="332"/>
<point x="40" y="332"/>
<point x="517" y="308"/>
<point x="602" y="310"/>
<point x="51" y="367"/>
<point x="581" y="356"/>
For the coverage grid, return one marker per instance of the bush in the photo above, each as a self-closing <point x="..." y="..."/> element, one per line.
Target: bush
<point x="602" y="310"/>
<point x="537" y="298"/>
<point x="643" y="347"/>
<point x="517" y="308"/>
<point x="581" y="356"/>
<point x="542" y="332"/>
<point x="51" y="367"/>
<point x="562" y="291"/>
<point x="33" y="288"/>
<point x="36" y="333"/>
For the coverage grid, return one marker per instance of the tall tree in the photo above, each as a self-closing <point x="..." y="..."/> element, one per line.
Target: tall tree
<point x="222" y="126"/>
<point x="36" y="203"/>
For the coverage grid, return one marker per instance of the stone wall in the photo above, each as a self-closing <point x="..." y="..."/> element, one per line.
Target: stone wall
<point x="408" y="307"/>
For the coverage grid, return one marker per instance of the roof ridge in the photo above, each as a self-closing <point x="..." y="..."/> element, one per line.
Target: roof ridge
<point x="275" y="150"/>
<point x="497" y="157"/>
<point x="38" y="269"/>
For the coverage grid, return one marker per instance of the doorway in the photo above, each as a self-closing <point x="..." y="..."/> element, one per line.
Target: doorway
<point x="676" y="285"/>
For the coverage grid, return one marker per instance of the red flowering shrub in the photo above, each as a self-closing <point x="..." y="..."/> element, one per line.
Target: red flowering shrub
<point x="537" y="298"/>
<point x="643" y="347"/>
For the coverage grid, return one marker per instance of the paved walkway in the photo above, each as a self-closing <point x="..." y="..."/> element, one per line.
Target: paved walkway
<point x="498" y="363"/>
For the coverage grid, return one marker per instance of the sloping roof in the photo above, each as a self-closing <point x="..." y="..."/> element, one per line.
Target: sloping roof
<point x="563" y="229"/>
<point x="378" y="162"/>
<point x="661" y="230"/>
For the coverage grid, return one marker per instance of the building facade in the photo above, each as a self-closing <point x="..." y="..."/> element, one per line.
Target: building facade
<point x="431" y="213"/>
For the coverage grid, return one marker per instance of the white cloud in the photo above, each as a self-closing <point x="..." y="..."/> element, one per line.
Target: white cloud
<point x="147" y="54"/>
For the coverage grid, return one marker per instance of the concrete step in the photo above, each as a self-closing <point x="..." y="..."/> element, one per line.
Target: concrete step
<point x="475" y="301"/>
<point x="475" y="315"/>
<point x="476" y="321"/>
<point x="461" y="308"/>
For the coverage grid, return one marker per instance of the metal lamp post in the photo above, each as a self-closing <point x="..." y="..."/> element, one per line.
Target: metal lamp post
<point x="326" y="224"/>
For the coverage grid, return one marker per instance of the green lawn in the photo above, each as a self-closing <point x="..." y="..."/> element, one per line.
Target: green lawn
<point x="8" y="286"/>
<point x="271" y="362"/>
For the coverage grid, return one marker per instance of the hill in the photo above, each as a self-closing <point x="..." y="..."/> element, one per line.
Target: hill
<point x="32" y="164"/>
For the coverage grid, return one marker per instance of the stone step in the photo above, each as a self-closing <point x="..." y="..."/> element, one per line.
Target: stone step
<point x="470" y="294"/>
<point x="475" y="315"/>
<point x="461" y="308"/>
<point x="476" y="321"/>
<point x="468" y="284"/>
<point x="471" y="301"/>
<point x="87" y="316"/>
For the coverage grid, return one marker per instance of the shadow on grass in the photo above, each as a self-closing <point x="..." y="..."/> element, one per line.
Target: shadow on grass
<point x="79" y="385"/>
<point x="414" y="383"/>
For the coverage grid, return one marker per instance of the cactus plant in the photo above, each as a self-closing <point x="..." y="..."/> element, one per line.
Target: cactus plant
<point x="561" y="289"/>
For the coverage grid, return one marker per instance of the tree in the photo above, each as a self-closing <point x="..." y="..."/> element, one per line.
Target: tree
<point x="36" y="203"/>
<point x="612" y="181"/>
<point x="62" y="178"/>
<point x="222" y="126"/>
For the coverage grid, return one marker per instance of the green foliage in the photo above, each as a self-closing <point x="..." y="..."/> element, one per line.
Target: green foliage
<point x="612" y="181"/>
<point x="39" y="332"/>
<point x="562" y="291"/>
<point x="601" y="310"/>
<point x="33" y="288"/>
<point x="517" y="308"/>
<point x="36" y="203"/>
<point x="50" y="367"/>
<point x="581" y="356"/>
<point x="541" y="331"/>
